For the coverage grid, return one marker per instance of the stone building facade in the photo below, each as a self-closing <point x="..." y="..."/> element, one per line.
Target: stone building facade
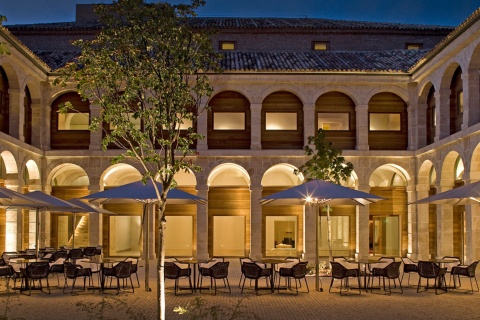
<point x="407" y="119"/>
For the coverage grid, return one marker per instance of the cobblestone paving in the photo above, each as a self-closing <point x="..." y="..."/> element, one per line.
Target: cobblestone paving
<point x="313" y="305"/>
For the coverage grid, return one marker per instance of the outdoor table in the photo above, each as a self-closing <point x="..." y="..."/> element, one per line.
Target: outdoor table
<point x="194" y="262"/>
<point x="365" y="262"/>
<point x="273" y="262"/>
<point x="441" y="262"/>
<point x="23" y="264"/>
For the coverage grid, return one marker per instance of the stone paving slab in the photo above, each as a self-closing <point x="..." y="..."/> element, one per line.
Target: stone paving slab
<point x="313" y="305"/>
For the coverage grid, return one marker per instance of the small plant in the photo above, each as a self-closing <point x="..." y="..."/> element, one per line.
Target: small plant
<point x="198" y="309"/>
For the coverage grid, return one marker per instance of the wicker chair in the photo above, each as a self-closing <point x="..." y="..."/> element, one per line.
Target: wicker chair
<point x="75" y="254"/>
<point x="297" y="272"/>
<point x="89" y="252"/>
<point x="253" y="271"/>
<point x="122" y="270"/>
<point x="134" y="269"/>
<point x="409" y="266"/>
<point x="464" y="271"/>
<point x="73" y="272"/>
<point x="37" y="271"/>
<point x="390" y="272"/>
<point x="429" y="270"/>
<point x="7" y="272"/>
<point x="174" y="272"/>
<point x="219" y="270"/>
<point x="57" y="267"/>
<point x="340" y="272"/>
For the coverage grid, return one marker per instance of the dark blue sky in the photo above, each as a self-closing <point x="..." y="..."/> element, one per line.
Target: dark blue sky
<point x="436" y="12"/>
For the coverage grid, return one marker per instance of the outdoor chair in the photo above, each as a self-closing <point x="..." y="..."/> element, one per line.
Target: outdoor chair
<point x="204" y="269"/>
<point x="253" y="271"/>
<point x="89" y="252"/>
<point x="36" y="272"/>
<point x="174" y="272"/>
<point x="464" y="271"/>
<point x="430" y="270"/>
<point x="217" y="271"/>
<point x="134" y="269"/>
<point x="73" y="272"/>
<point x="122" y="270"/>
<point x="390" y="272"/>
<point x="6" y="272"/>
<point x="289" y="262"/>
<point x="75" y="254"/>
<point x="242" y="260"/>
<point x="57" y="267"/>
<point x="340" y="272"/>
<point x="296" y="272"/>
<point x="409" y="266"/>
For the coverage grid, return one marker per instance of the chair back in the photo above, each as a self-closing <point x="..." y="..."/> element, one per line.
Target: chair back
<point x="427" y="269"/>
<point x="59" y="254"/>
<point x="251" y="270"/>
<point x="70" y="270"/>
<point x="38" y="270"/>
<point x="220" y="270"/>
<point x="75" y="254"/>
<point x="122" y="269"/>
<point x="471" y="269"/>
<point x="134" y="262"/>
<point x="98" y="250"/>
<point x="392" y="271"/>
<point x="171" y="270"/>
<point x="299" y="270"/>
<point x="409" y="265"/>
<point x="89" y="251"/>
<point x="338" y="270"/>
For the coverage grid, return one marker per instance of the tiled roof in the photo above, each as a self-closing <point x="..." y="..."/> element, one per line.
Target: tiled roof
<point x="398" y="61"/>
<point x="304" y="23"/>
<point x="250" y="23"/>
<point x="371" y="61"/>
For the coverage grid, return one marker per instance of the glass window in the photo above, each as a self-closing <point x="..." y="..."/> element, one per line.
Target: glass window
<point x="227" y="45"/>
<point x="333" y="121"/>
<point x="320" y="45"/>
<point x="179" y="236"/>
<point x="281" y="235"/>
<point x="386" y="236"/>
<point x="460" y="101"/>
<point x="125" y="236"/>
<point x="228" y="121"/>
<point x="136" y="122"/>
<point x="229" y="236"/>
<point x="73" y="121"/>
<point x="385" y="122"/>
<point x="281" y="121"/>
<point x="414" y="46"/>
<point x="340" y="236"/>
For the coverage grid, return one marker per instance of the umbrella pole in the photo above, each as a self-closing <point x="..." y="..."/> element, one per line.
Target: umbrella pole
<point x="317" y="260"/>
<point x="37" y="231"/>
<point x="73" y="233"/>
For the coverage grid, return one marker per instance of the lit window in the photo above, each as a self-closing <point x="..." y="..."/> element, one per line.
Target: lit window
<point x="281" y="121"/>
<point x="186" y="123"/>
<point x="460" y="102"/>
<point x="227" y="45"/>
<point x="340" y="236"/>
<point x="333" y="121"/>
<point x="136" y="122"/>
<point x="229" y="121"/>
<point x="385" y="122"/>
<point x="414" y="46"/>
<point x="281" y="233"/>
<point x="73" y="121"/>
<point x="320" y="45"/>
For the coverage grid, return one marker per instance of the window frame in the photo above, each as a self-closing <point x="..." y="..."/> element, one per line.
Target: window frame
<point x="267" y="113"/>
<point x="326" y="43"/>
<point x="240" y="112"/>
<point x="344" y="113"/>
<point x="387" y="113"/>
<point x="87" y="114"/>
<point x="222" y="43"/>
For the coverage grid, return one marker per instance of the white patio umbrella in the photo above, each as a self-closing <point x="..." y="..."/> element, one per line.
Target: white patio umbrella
<point x="44" y="202"/>
<point x="320" y="192"/>
<point x="467" y="194"/>
<point x="145" y="194"/>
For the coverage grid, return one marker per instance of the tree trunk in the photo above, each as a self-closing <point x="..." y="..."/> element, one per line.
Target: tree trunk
<point x="329" y="234"/>
<point x="161" y="264"/>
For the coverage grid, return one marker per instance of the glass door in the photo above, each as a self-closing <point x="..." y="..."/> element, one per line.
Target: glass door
<point x="385" y="235"/>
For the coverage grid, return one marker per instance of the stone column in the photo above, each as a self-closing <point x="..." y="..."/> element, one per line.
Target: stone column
<point x="37" y="123"/>
<point x="442" y="112"/>
<point x="362" y="227"/>
<point x="202" y="127"/>
<point x="95" y="136"/>
<point x="95" y="222"/>
<point x="15" y="116"/>
<point x="471" y="96"/>
<point x="256" y="126"/>
<point x="310" y="231"/>
<point x="420" y="249"/>
<point x="255" y="222"/>
<point x="361" y="112"/>
<point x="202" y="223"/>
<point x="308" y="122"/>
<point x="444" y="225"/>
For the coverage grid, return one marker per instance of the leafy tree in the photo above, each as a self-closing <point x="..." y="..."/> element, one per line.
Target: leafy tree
<point x="147" y="70"/>
<point x="327" y="163"/>
<point x="3" y="45"/>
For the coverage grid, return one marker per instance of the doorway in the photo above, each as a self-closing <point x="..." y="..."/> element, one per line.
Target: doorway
<point x="385" y="235"/>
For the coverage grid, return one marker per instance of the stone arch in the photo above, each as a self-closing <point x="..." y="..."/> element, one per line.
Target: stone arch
<point x="68" y="174"/>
